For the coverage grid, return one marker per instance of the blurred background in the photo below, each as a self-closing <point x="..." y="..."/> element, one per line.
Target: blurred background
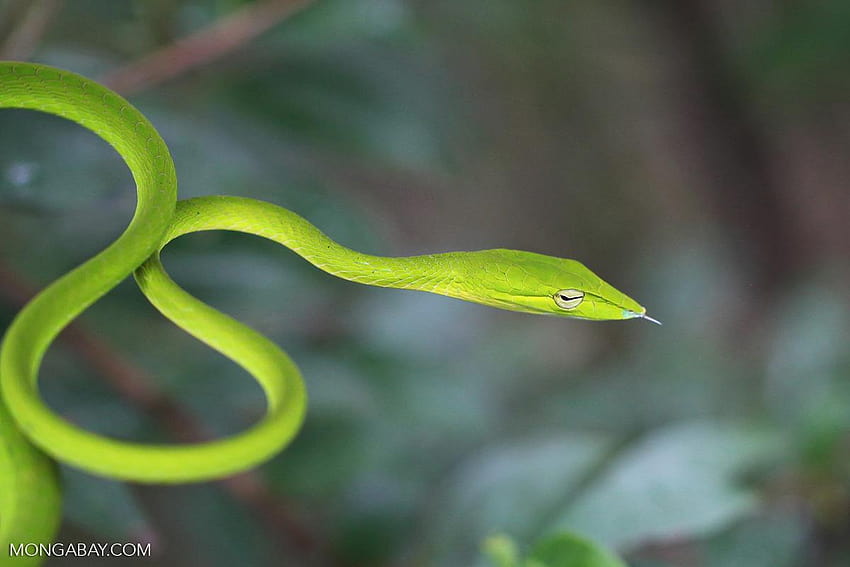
<point x="694" y="154"/>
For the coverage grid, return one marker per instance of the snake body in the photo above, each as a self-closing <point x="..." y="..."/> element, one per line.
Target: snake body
<point x="32" y="435"/>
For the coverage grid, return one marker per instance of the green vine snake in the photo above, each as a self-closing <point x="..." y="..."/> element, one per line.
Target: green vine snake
<point x="31" y="435"/>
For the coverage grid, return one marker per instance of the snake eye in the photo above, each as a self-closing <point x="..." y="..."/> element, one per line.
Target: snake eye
<point x="568" y="298"/>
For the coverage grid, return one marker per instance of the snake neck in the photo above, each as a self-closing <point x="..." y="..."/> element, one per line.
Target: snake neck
<point x="435" y="273"/>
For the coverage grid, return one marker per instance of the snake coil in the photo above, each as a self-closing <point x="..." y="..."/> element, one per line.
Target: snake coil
<point x="31" y="434"/>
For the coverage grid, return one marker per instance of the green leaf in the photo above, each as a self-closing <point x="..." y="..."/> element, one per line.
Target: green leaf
<point x="681" y="481"/>
<point x="501" y="550"/>
<point x="559" y="550"/>
<point x="512" y="488"/>
<point x="568" y="550"/>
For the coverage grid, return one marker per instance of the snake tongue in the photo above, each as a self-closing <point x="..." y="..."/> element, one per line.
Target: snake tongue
<point x="650" y="319"/>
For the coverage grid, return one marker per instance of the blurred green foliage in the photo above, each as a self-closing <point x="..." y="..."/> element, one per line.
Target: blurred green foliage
<point x="561" y="550"/>
<point x="403" y="127"/>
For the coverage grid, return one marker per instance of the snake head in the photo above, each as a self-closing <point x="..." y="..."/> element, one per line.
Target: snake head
<point x="535" y="283"/>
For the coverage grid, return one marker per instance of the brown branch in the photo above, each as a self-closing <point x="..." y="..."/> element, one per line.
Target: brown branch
<point x="200" y="48"/>
<point x="746" y="190"/>
<point x="23" y="38"/>
<point x="137" y="387"/>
